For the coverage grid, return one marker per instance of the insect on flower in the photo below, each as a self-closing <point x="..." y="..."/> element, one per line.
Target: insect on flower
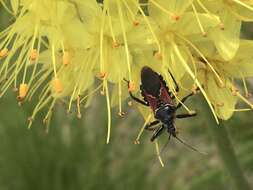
<point x="161" y="100"/>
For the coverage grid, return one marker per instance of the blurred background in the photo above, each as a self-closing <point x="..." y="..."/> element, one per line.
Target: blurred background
<point x="73" y="155"/>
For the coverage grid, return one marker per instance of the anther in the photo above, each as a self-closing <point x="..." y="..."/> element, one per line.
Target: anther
<point x="45" y="121"/>
<point x="121" y="114"/>
<point x="33" y="55"/>
<point x="221" y="104"/>
<point x="102" y="92"/>
<point x="130" y="103"/>
<point x="30" y="119"/>
<point x="222" y="26"/>
<point x="192" y="112"/>
<point x="57" y="85"/>
<point x="65" y="58"/>
<point x="195" y="89"/>
<point x="158" y="55"/>
<point x="131" y="86"/>
<point x="234" y="90"/>
<point x="115" y="44"/>
<point x="4" y="52"/>
<point x="102" y="75"/>
<point x="23" y="89"/>
<point x="15" y="89"/>
<point x="136" y="23"/>
<point x="176" y="17"/>
<point x="204" y="34"/>
<point x="248" y="95"/>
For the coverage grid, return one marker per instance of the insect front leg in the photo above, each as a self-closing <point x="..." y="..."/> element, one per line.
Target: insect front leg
<point x="181" y="116"/>
<point x="152" y="126"/>
<point x="135" y="98"/>
<point x="157" y="133"/>
<point x="138" y="100"/>
<point x="183" y="100"/>
<point x="175" y="82"/>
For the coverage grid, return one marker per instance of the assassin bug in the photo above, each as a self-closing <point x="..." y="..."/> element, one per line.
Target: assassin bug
<point x="159" y="98"/>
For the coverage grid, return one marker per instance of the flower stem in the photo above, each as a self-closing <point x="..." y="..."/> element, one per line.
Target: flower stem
<point x="226" y="152"/>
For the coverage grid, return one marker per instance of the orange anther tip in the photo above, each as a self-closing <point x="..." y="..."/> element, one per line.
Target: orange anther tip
<point x="4" y="52"/>
<point x="131" y="86"/>
<point x="234" y="90"/>
<point x="158" y="55"/>
<point x="102" y="75"/>
<point x="33" y="55"/>
<point x="136" y="142"/>
<point x="136" y="23"/>
<point x="204" y="34"/>
<point x="65" y="58"/>
<point x="115" y="44"/>
<point x="222" y="27"/>
<point x="23" y="89"/>
<point x="176" y="17"/>
<point x="57" y="85"/>
<point x="221" y="104"/>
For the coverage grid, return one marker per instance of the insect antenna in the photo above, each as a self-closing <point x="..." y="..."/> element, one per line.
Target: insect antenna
<point x="125" y="80"/>
<point x="189" y="146"/>
<point x="162" y="150"/>
<point x="165" y="145"/>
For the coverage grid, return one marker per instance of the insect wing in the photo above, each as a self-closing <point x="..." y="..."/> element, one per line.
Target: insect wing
<point x="164" y="95"/>
<point x="150" y="82"/>
<point x="152" y="102"/>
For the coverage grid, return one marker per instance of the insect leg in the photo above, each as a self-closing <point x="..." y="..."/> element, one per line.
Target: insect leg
<point x="175" y="82"/>
<point x="138" y="100"/>
<point x="181" y="116"/>
<point x="183" y="100"/>
<point x="135" y="98"/>
<point x="157" y="133"/>
<point x="151" y="126"/>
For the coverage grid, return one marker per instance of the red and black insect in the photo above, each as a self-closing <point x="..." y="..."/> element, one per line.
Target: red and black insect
<point x="160" y="99"/>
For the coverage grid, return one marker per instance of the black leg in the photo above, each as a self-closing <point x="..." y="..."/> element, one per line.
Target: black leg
<point x="135" y="98"/>
<point x="157" y="133"/>
<point x="175" y="82"/>
<point x="181" y="116"/>
<point x="150" y="126"/>
<point x="183" y="100"/>
<point x="138" y="100"/>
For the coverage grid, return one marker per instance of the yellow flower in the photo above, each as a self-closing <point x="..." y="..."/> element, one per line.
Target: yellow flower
<point x="224" y="97"/>
<point x="58" y="49"/>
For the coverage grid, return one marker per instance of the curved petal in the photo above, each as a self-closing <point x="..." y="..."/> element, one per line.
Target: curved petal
<point x="227" y="39"/>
